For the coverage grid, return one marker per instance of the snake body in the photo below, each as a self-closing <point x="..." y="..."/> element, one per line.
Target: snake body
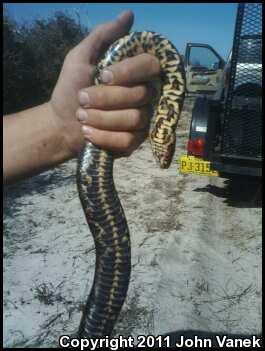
<point x="99" y="198"/>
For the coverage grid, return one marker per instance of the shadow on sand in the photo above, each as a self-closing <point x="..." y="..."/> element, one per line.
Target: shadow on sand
<point x="241" y="192"/>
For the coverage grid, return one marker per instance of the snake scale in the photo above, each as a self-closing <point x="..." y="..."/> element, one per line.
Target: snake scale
<point x="98" y="196"/>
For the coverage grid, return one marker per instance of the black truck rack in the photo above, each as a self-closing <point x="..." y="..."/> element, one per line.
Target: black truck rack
<point x="237" y="120"/>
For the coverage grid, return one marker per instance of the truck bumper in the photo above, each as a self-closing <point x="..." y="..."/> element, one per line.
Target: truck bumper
<point x="224" y="168"/>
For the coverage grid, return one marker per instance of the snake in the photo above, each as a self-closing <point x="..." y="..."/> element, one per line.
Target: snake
<point x="96" y="188"/>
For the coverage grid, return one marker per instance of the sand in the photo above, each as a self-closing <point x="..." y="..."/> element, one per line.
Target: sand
<point x="196" y="252"/>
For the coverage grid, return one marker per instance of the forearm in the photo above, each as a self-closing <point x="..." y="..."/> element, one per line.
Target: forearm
<point x="33" y="142"/>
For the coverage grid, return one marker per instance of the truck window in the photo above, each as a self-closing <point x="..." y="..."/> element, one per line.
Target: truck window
<point x="203" y="57"/>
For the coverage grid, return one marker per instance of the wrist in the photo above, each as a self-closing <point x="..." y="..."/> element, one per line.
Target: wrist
<point x="68" y="131"/>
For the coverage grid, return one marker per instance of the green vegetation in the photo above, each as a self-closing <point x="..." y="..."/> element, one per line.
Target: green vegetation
<point x="33" y="56"/>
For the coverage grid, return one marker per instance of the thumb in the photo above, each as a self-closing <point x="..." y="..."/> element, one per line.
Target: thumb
<point x="103" y="36"/>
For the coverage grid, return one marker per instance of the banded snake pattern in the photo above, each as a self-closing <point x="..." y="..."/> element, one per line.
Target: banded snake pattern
<point x="98" y="196"/>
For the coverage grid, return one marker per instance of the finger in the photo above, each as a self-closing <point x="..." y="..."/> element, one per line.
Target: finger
<point x="140" y="68"/>
<point x="102" y="36"/>
<point x="119" y="120"/>
<point x="119" y="142"/>
<point x="106" y="97"/>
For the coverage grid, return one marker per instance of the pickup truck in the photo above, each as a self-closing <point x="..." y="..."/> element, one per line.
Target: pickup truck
<point x="225" y="136"/>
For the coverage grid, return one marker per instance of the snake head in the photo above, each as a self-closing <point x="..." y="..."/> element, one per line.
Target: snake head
<point x="163" y="153"/>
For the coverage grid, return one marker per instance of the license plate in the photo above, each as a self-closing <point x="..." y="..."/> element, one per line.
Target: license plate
<point x="192" y="164"/>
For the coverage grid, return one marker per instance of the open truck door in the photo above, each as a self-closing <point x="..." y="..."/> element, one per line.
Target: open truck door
<point x="204" y="68"/>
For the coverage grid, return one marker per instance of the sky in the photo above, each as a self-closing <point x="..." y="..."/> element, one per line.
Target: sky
<point x="208" y="23"/>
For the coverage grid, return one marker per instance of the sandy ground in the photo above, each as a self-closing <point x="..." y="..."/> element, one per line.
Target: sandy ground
<point x="196" y="252"/>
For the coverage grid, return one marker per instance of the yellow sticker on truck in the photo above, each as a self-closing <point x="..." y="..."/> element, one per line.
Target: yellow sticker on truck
<point x="195" y="165"/>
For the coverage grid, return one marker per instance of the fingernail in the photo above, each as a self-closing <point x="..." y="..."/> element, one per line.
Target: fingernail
<point x="83" y="98"/>
<point x="107" y="76"/>
<point x="81" y="115"/>
<point x="87" y="130"/>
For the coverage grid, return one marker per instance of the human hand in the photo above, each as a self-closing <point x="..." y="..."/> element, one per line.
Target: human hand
<point x="116" y="117"/>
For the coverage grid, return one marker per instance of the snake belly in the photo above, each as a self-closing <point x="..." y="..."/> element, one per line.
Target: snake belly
<point x="98" y="196"/>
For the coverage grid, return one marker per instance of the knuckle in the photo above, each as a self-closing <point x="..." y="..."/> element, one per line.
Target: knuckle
<point x="101" y="31"/>
<point x="121" y="71"/>
<point x="125" y="69"/>
<point x="98" y="30"/>
<point x="96" y="96"/>
<point x="127" y="143"/>
<point x="141" y="94"/>
<point x="70" y="55"/>
<point x="136" y="118"/>
<point x="94" y="117"/>
<point x="97" y="118"/>
<point x="153" y="64"/>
